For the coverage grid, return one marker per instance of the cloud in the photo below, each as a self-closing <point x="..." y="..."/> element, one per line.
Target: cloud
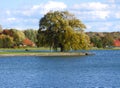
<point x="11" y="19"/>
<point x="53" y="5"/>
<point x="98" y="26"/>
<point x="91" y="6"/>
<point x="27" y="16"/>
<point x="117" y="15"/>
<point x="8" y="12"/>
<point x="103" y="26"/>
<point x="100" y="14"/>
<point x="97" y="16"/>
<point x="92" y="10"/>
<point x="45" y="7"/>
<point x="111" y="1"/>
<point x="117" y="26"/>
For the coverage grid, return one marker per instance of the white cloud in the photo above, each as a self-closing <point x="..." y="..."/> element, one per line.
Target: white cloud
<point x="91" y="6"/>
<point x="92" y="15"/>
<point x="8" y="12"/>
<point x="29" y="16"/>
<point x="117" y="15"/>
<point x="100" y="14"/>
<point x="112" y="1"/>
<point x="117" y="27"/>
<point x="31" y="10"/>
<point x="103" y="26"/>
<point x="45" y="7"/>
<point x="92" y="10"/>
<point x="96" y="16"/>
<point x="35" y="7"/>
<point x="11" y="19"/>
<point x="54" y="5"/>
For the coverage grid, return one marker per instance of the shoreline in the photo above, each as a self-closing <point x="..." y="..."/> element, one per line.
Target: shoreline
<point x="47" y="54"/>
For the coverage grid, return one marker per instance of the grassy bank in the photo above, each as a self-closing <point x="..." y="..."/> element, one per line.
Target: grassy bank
<point x="41" y="54"/>
<point x="29" y="48"/>
<point x="36" y="52"/>
<point x="44" y="52"/>
<point x="113" y="48"/>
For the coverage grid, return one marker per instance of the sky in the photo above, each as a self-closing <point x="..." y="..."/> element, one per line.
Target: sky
<point x="97" y="15"/>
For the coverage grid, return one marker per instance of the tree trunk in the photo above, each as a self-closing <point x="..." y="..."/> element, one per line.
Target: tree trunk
<point x="61" y="48"/>
<point x="50" y="48"/>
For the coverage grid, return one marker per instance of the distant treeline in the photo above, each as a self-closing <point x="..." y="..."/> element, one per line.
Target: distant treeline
<point x="104" y="39"/>
<point x="114" y="35"/>
<point x="11" y="38"/>
<point x="14" y="38"/>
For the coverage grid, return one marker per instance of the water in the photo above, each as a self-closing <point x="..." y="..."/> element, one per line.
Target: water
<point x="96" y="71"/>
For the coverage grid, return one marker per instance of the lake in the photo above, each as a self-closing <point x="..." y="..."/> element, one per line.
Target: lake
<point x="101" y="70"/>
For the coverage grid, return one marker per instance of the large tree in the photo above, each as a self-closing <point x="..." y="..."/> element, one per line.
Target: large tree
<point x="59" y="29"/>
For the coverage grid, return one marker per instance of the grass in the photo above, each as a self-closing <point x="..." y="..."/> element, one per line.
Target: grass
<point x="35" y="52"/>
<point x="30" y="48"/>
<point x="40" y="54"/>
<point x="113" y="48"/>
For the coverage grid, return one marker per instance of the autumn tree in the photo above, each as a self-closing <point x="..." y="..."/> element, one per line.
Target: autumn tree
<point x="58" y="30"/>
<point x="107" y="40"/>
<point x="31" y="34"/>
<point x="97" y="41"/>
<point x="6" y="41"/>
<point x="18" y="36"/>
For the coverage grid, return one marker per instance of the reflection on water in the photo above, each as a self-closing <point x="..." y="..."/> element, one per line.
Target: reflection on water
<point x="97" y="71"/>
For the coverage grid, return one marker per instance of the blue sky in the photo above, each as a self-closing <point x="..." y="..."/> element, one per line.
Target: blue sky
<point x="97" y="15"/>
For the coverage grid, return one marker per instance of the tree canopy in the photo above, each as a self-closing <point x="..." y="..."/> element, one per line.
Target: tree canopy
<point x="59" y="29"/>
<point x="31" y="34"/>
<point x="6" y="41"/>
<point x="18" y="36"/>
<point x="102" y="40"/>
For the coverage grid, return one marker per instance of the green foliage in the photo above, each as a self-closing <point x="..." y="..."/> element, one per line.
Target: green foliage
<point x="102" y="42"/>
<point x="84" y="41"/>
<point x="107" y="41"/>
<point x="18" y="36"/>
<point x="97" y="41"/>
<point x="6" y="41"/>
<point x="31" y="34"/>
<point x="57" y="30"/>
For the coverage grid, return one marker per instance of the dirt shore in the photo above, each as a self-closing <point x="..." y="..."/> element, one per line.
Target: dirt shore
<point x="45" y="54"/>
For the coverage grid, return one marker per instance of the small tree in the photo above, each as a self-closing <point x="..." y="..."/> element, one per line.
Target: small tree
<point x="58" y="29"/>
